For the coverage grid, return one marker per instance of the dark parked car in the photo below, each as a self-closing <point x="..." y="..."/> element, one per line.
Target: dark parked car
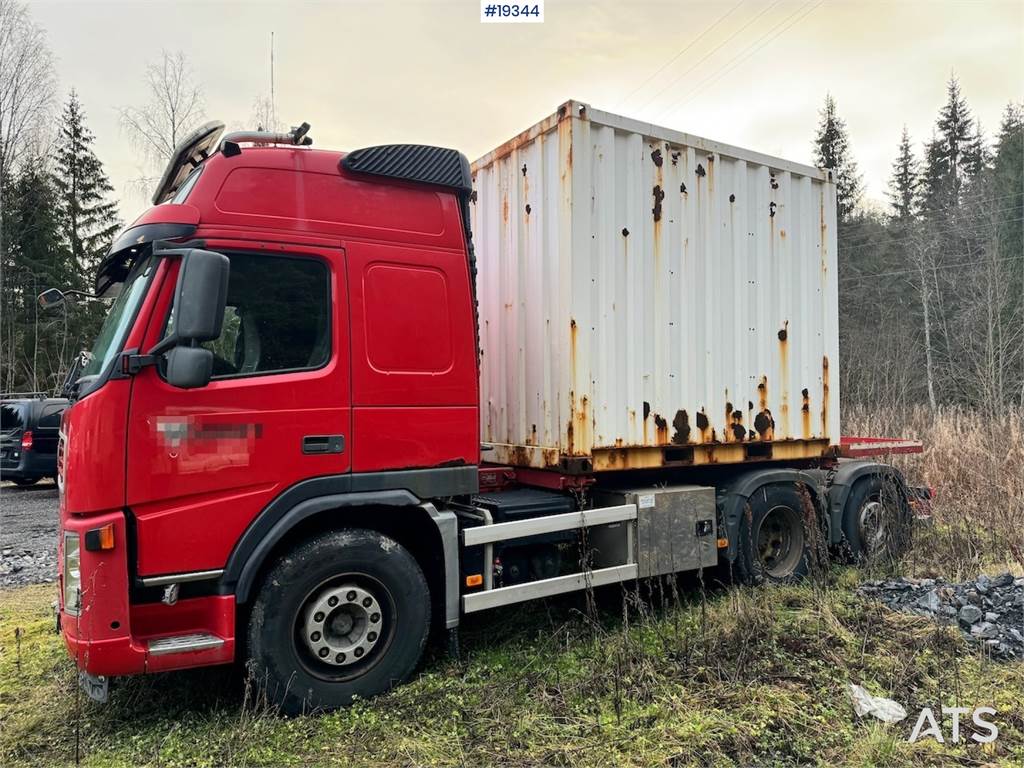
<point x="29" y="429"/>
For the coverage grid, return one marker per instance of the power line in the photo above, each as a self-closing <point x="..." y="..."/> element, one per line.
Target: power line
<point x="935" y="268"/>
<point x="710" y="53"/>
<point x="692" y="43"/>
<point x="966" y="202"/>
<point x="855" y="230"/>
<point x="972" y="230"/>
<point x="740" y="58"/>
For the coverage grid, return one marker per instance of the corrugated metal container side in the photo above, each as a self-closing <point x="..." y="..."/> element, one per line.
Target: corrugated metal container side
<point x="652" y="298"/>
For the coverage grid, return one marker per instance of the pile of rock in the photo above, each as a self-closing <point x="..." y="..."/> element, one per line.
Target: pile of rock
<point x="20" y="566"/>
<point x="988" y="610"/>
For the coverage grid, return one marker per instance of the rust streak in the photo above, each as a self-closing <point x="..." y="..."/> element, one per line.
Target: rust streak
<point x="662" y="428"/>
<point x="784" y="378"/>
<point x="805" y="413"/>
<point x="824" y="398"/>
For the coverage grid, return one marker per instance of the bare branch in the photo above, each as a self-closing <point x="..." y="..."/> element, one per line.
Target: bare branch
<point x="175" y="105"/>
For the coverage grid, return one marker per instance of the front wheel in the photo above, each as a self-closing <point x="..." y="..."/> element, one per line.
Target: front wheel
<point x="344" y="614"/>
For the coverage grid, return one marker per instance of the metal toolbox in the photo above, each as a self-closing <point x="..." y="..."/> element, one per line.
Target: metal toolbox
<point x="676" y="529"/>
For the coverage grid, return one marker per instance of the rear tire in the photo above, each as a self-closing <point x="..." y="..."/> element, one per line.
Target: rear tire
<point x="342" y="615"/>
<point x="773" y="540"/>
<point x="877" y="520"/>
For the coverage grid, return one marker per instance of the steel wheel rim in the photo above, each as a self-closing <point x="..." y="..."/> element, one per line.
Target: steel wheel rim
<point x="779" y="541"/>
<point x="343" y="626"/>
<point x="872" y="525"/>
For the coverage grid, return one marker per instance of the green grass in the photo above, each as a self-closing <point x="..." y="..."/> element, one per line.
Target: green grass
<point x="679" y="678"/>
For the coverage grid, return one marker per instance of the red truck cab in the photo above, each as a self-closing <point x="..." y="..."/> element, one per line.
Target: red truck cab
<point x="345" y="369"/>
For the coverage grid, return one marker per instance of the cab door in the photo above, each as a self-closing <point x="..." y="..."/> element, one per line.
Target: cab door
<point x="202" y="463"/>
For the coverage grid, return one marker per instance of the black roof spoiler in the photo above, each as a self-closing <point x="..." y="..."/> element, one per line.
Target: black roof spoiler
<point x="413" y="162"/>
<point x="118" y="262"/>
<point x="190" y="152"/>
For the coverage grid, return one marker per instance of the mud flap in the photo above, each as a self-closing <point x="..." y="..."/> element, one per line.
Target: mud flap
<point x="96" y="687"/>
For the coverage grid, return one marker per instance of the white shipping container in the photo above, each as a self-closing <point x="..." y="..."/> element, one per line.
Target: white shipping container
<point x="651" y="298"/>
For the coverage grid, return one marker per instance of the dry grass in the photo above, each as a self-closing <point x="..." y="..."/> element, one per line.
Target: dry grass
<point x="975" y="464"/>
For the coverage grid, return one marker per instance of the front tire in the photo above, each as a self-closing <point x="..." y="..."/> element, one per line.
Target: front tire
<point x="344" y="614"/>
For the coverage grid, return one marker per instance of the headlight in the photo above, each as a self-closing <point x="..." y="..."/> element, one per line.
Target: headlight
<point x="72" y="573"/>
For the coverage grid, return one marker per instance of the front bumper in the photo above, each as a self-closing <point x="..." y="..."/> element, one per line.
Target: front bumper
<point x="108" y="636"/>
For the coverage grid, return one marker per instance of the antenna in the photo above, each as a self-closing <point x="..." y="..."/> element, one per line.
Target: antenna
<point x="273" y="104"/>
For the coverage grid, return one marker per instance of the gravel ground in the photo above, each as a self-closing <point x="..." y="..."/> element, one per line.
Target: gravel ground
<point x="988" y="610"/>
<point x="28" y="534"/>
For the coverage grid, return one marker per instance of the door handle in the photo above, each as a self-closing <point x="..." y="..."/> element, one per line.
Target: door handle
<point x="323" y="444"/>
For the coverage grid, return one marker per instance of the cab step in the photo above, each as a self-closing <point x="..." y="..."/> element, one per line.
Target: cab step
<point x="199" y="641"/>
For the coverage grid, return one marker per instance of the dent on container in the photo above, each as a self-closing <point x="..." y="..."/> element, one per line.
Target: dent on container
<point x="652" y="298"/>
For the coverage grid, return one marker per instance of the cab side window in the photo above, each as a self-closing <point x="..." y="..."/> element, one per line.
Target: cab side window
<point x="277" y="317"/>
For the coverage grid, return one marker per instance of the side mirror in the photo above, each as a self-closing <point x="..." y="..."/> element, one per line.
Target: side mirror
<point x="189" y="367"/>
<point x="51" y="298"/>
<point x="199" y="300"/>
<point x="200" y="296"/>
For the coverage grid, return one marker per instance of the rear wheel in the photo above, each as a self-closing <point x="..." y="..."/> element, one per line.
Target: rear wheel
<point x="773" y="541"/>
<point x="344" y="614"/>
<point x="876" y="520"/>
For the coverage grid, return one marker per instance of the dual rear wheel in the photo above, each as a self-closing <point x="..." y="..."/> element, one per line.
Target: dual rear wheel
<point x="779" y="530"/>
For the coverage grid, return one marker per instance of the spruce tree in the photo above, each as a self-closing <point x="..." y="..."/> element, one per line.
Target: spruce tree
<point x="904" y="182"/>
<point x="953" y="157"/>
<point x="1008" y="182"/>
<point x="832" y="150"/>
<point x="34" y="342"/>
<point x="89" y="219"/>
<point x="1007" y="207"/>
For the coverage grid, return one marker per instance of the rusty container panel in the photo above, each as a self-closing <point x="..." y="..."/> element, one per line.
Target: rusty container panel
<point x="650" y="298"/>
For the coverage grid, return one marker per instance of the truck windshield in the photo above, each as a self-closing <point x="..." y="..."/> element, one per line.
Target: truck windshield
<point x="122" y="312"/>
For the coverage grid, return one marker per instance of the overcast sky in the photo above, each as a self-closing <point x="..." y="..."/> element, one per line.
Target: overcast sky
<point x="428" y="72"/>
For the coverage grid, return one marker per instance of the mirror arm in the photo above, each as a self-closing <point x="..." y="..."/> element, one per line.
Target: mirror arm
<point x="163" y="345"/>
<point x="165" y="248"/>
<point x="83" y="294"/>
<point x="132" y="363"/>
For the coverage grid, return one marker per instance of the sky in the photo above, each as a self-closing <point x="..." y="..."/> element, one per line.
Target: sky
<point x="751" y="73"/>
